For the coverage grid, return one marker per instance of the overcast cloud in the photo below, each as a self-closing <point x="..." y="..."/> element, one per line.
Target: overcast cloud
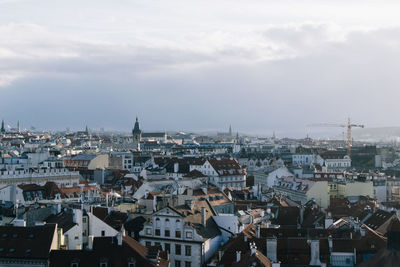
<point x="199" y="65"/>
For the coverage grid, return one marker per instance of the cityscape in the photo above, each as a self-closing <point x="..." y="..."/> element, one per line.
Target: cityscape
<point x="83" y="198"/>
<point x="199" y="133"/>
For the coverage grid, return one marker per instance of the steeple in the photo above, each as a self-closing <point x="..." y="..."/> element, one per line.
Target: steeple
<point x="18" y="128"/>
<point x="230" y="130"/>
<point x="86" y="130"/>
<point x="137" y="134"/>
<point x="136" y="128"/>
<point x="2" y="129"/>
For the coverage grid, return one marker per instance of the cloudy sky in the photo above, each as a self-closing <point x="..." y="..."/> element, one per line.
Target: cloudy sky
<point x="261" y="66"/>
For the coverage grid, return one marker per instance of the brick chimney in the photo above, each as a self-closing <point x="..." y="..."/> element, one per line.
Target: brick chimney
<point x="203" y="216"/>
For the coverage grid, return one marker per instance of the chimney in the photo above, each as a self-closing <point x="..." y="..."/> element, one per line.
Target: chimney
<point x="362" y="230"/>
<point x="238" y="256"/>
<point x="90" y="243"/>
<point x="253" y="248"/>
<point x="204" y="188"/>
<point x="301" y="214"/>
<point x="315" y="252"/>
<point x="176" y="167"/>
<point x="262" y="213"/>
<point x="258" y="231"/>
<point x="328" y="220"/>
<point x="119" y="239"/>
<point x="330" y="242"/>
<point x="272" y="253"/>
<point x="219" y="255"/>
<point x="203" y="216"/>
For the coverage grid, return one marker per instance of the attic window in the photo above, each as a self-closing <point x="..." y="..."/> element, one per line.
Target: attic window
<point x="4" y="235"/>
<point x="1" y="249"/>
<point x="15" y="235"/>
<point x="31" y="236"/>
<point x="11" y="250"/>
<point x="28" y="250"/>
<point x="372" y="245"/>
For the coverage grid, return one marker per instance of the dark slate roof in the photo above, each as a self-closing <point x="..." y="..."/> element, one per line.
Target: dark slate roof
<point x="136" y="224"/>
<point x="84" y="157"/>
<point x="106" y="250"/>
<point x="378" y="218"/>
<point x="26" y="242"/>
<point x="63" y="220"/>
<point x="385" y="257"/>
<point x="157" y="134"/>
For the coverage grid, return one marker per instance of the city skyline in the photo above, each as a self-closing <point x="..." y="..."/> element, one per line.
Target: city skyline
<point x="278" y="68"/>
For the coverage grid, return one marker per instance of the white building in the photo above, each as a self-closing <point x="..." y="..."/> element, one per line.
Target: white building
<point x="224" y="173"/>
<point x="338" y="164"/>
<point x="80" y="227"/>
<point x="61" y="176"/>
<point x="267" y="177"/>
<point x="307" y="159"/>
<point x="188" y="233"/>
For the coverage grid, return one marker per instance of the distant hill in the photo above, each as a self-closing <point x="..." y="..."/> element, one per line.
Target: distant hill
<point x="378" y="134"/>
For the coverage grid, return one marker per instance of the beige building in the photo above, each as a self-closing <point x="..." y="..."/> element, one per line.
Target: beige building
<point x="304" y="190"/>
<point x="351" y="188"/>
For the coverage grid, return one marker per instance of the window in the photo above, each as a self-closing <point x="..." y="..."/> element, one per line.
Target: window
<point x="157" y="222"/>
<point x="188" y="264"/>
<point x="84" y="232"/>
<point x="74" y="264"/>
<point x="103" y="233"/>
<point x="84" y="219"/>
<point x="189" y="235"/>
<point x="148" y="231"/>
<point x="188" y="250"/>
<point x="157" y="232"/>
<point x="177" y="249"/>
<point x="166" y="232"/>
<point x="157" y="244"/>
<point x="177" y="263"/>
<point x="177" y="233"/>
<point x="76" y="236"/>
<point x="167" y="247"/>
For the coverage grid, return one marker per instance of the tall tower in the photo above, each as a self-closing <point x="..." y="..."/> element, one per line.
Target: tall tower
<point x="2" y="129"/>
<point x="230" y="130"/>
<point x="137" y="134"/>
<point x="18" y="127"/>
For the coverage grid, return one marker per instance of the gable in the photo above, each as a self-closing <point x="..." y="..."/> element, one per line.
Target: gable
<point x="168" y="211"/>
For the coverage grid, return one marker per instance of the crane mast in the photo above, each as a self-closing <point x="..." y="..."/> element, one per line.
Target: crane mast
<point x="349" y="126"/>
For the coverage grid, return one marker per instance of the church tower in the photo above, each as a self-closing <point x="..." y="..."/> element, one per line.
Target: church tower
<point x="2" y="129"/>
<point x="137" y="135"/>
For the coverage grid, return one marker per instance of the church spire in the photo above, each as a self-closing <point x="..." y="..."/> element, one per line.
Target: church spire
<point x="2" y="129"/>
<point x="230" y="130"/>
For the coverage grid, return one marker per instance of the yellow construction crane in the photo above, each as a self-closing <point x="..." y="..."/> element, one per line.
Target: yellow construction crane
<point x="349" y="125"/>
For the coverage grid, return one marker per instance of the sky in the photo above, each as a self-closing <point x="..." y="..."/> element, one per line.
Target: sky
<point x="260" y="66"/>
